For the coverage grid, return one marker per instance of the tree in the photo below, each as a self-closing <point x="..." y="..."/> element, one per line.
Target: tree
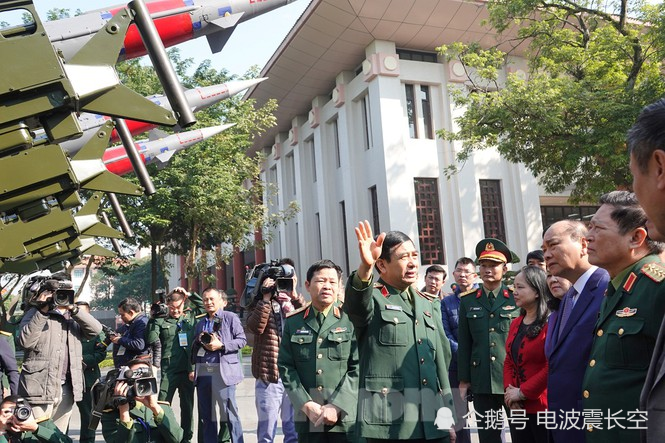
<point x="211" y="193"/>
<point x="592" y="67"/>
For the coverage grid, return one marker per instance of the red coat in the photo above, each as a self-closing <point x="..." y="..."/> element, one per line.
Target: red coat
<point x="529" y="372"/>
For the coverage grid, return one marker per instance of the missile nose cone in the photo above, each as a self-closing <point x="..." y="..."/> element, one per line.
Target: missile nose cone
<point x="214" y="130"/>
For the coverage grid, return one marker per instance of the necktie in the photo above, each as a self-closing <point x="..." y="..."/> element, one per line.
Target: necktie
<point x="491" y="297"/>
<point x="567" y="309"/>
<point x="320" y="318"/>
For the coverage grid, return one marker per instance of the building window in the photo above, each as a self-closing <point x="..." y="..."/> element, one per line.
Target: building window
<point x="426" y="105"/>
<point x="428" y="213"/>
<point x="492" y="207"/>
<point x="419" y="108"/>
<point x="553" y="214"/>
<point x="312" y="153"/>
<point x="366" y="121"/>
<point x="417" y="56"/>
<point x="374" y="204"/>
<point x="335" y="139"/>
<point x="78" y="273"/>
<point x="345" y="235"/>
<point x="411" y="111"/>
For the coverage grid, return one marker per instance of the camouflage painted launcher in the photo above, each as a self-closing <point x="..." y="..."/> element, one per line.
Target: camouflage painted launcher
<point x="39" y="183"/>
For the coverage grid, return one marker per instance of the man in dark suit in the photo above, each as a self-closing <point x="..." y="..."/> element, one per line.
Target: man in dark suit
<point x="646" y="143"/>
<point x="219" y="338"/>
<point x="569" y="339"/>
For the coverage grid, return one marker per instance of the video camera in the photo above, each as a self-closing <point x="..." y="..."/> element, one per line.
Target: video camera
<point x="62" y="291"/>
<point x="141" y="381"/>
<point x="159" y="308"/>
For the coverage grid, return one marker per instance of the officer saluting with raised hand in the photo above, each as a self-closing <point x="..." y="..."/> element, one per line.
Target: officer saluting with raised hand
<point x="484" y="320"/>
<point x="404" y="352"/>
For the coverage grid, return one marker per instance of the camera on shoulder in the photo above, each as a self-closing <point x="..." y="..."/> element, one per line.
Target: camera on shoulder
<point x="61" y="290"/>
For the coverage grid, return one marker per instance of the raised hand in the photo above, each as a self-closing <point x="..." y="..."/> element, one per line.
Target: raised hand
<point x="370" y="249"/>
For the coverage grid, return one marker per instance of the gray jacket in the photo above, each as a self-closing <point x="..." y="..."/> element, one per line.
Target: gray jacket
<point x="44" y="337"/>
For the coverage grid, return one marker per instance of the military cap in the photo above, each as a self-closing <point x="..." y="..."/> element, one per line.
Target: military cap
<point x="495" y="250"/>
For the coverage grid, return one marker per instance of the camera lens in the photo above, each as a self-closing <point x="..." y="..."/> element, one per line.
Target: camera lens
<point x="22" y="413"/>
<point x="206" y="338"/>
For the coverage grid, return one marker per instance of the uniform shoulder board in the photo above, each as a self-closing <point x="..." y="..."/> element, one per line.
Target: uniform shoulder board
<point x="108" y="410"/>
<point x="378" y="285"/>
<point x="470" y="291"/>
<point x="201" y="315"/>
<point x="426" y="295"/>
<point x="511" y="288"/>
<point x="6" y="333"/>
<point x="655" y="271"/>
<point x="298" y="311"/>
<point x="163" y="403"/>
<point x="42" y="419"/>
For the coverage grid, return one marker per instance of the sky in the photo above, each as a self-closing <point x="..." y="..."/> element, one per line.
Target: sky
<point x="252" y="43"/>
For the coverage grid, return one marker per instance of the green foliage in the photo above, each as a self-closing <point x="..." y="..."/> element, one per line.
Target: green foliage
<point x="592" y="68"/>
<point x="117" y="280"/>
<point x="211" y="193"/>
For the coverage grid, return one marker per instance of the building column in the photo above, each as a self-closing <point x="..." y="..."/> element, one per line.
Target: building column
<point x="238" y="273"/>
<point x="259" y="253"/>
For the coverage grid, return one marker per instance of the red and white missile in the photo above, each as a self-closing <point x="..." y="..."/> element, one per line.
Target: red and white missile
<point x="198" y="99"/>
<point x="157" y="151"/>
<point x="177" y="21"/>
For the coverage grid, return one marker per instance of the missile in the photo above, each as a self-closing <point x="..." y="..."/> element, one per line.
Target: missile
<point x="157" y="151"/>
<point x="177" y="21"/>
<point x="198" y="99"/>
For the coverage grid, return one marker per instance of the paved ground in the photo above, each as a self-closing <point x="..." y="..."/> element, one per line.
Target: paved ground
<point x="245" y="397"/>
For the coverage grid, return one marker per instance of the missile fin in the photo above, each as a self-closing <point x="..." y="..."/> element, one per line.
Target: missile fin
<point x="108" y="182"/>
<point x="165" y="156"/>
<point x="228" y="21"/>
<point x="120" y="101"/>
<point x="95" y="147"/>
<point x="91" y="207"/>
<point x="98" y="229"/>
<point x="218" y="39"/>
<point x="105" y="45"/>
<point x="157" y="134"/>
<point x="97" y="250"/>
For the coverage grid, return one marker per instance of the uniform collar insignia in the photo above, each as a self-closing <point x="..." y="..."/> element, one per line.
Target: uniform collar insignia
<point x="384" y="291"/>
<point x="630" y="281"/>
<point x="626" y="312"/>
<point x="306" y="313"/>
<point x="336" y="312"/>
<point x="506" y="294"/>
<point x="479" y="293"/>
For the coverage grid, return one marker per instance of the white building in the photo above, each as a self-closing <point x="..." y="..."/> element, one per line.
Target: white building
<point x="361" y="93"/>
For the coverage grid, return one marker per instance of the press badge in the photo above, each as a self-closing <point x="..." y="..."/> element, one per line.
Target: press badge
<point x="182" y="338"/>
<point x="202" y="352"/>
<point x="121" y="350"/>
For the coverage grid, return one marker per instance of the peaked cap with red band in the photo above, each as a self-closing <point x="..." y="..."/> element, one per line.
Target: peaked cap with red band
<point x="495" y="250"/>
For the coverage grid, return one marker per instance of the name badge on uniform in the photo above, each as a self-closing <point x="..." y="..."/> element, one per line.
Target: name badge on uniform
<point x="475" y="308"/>
<point x="202" y="352"/>
<point x="303" y="332"/>
<point x="121" y="350"/>
<point x="394" y="308"/>
<point x="182" y="339"/>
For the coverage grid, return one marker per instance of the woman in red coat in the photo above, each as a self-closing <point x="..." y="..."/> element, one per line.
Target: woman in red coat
<point x="525" y="367"/>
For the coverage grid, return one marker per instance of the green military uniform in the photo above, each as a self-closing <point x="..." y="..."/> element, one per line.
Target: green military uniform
<point x="320" y="363"/>
<point x="404" y="358"/>
<point x="46" y="432"/>
<point x="484" y="323"/>
<point x="144" y="428"/>
<point x="177" y="336"/>
<point x="94" y="352"/>
<point x="625" y="336"/>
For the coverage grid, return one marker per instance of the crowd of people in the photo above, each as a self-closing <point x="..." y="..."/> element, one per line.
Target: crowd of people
<point x="572" y="350"/>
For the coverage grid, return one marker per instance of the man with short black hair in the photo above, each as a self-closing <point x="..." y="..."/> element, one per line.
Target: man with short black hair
<point x="435" y="277"/>
<point x="630" y="315"/>
<point x="404" y="352"/>
<point x="130" y="342"/>
<point x="646" y="144"/>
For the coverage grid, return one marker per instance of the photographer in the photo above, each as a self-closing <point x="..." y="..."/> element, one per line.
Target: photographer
<point x="130" y="342"/>
<point x="216" y="348"/>
<point x="18" y="424"/>
<point x="138" y="419"/>
<point x="267" y="314"/>
<point x="50" y="334"/>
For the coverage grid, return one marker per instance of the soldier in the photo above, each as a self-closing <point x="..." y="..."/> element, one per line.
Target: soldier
<point x="319" y="363"/>
<point x="94" y="352"/>
<point x="485" y="315"/>
<point x="404" y="352"/>
<point x="176" y="332"/>
<point x="629" y="320"/>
